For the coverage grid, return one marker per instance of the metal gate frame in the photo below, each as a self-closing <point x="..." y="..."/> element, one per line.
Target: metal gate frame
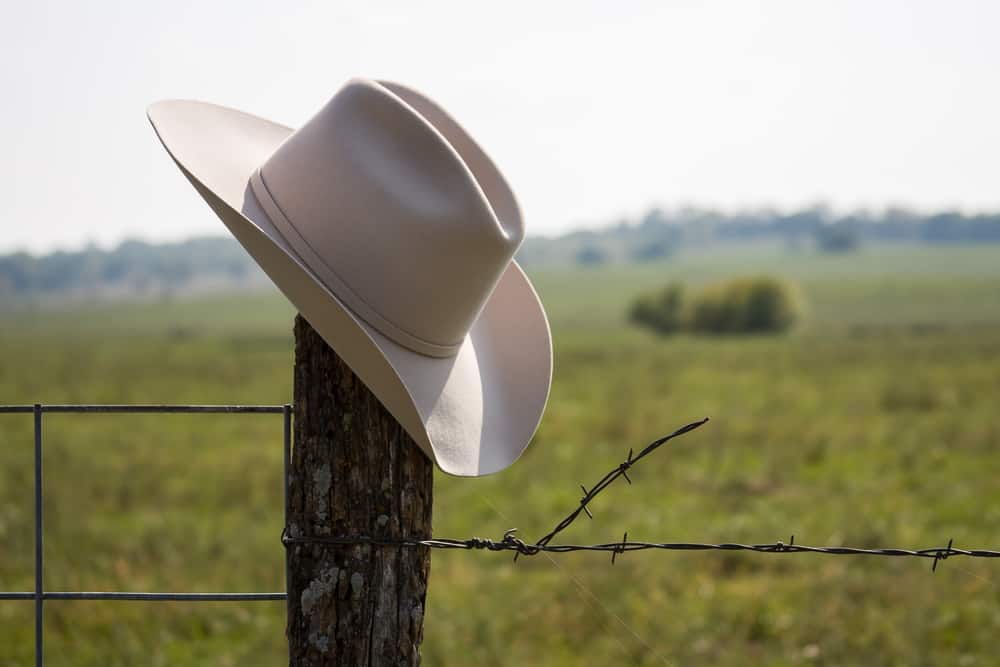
<point x="39" y="595"/>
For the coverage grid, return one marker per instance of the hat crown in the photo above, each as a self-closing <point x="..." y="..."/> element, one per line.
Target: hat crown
<point x="397" y="210"/>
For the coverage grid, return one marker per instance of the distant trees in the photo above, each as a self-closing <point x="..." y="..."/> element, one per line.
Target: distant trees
<point x="839" y="237"/>
<point x="591" y="255"/>
<point x="659" y="234"/>
<point x="132" y="265"/>
<point x="745" y="305"/>
<point x="653" y="239"/>
<point x="656" y="236"/>
<point x="652" y="251"/>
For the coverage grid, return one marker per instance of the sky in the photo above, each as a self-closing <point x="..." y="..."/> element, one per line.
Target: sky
<point x="593" y="111"/>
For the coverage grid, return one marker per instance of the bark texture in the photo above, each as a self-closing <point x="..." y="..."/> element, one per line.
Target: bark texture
<point x="354" y="471"/>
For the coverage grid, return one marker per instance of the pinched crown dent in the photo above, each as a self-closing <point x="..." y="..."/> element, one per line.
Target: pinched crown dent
<point x="383" y="178"/>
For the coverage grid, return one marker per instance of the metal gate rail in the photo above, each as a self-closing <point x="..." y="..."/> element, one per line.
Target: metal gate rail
<point x="39" y="595"/>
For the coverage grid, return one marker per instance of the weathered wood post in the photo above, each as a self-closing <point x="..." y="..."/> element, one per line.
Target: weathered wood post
<point x="354" y="472"/>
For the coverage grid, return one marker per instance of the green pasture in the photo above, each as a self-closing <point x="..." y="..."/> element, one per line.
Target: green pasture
<point x="875" y="423"/>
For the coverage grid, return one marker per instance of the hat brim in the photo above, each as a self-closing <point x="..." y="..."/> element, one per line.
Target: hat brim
<point x="473" y="413"/>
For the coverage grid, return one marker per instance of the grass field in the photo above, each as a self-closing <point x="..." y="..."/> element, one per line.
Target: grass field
<point x="874" y="424"/>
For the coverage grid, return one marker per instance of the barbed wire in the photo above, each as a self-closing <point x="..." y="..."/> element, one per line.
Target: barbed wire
<point x="510" y="542"/>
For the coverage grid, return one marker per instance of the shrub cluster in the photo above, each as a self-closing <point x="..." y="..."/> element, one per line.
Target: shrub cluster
<point x="661" y="311"/>
<point x="745" y="305"/>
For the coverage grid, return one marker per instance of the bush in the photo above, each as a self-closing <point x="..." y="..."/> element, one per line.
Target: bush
<point x="661" y="311"/>
<point x="747" y="305"/>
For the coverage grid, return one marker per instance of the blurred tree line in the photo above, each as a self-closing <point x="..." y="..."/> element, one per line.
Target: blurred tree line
<point x="133" y="266"/>
<point x="136" y="266"/>
<point x="659" y="233"/>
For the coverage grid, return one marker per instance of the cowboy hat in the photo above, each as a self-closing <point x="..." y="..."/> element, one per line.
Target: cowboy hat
<point x="393" y="233"/>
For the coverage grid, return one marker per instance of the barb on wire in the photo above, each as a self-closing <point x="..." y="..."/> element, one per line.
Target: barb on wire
<point x="608" y="479"/>
<point x="510" y="542"/>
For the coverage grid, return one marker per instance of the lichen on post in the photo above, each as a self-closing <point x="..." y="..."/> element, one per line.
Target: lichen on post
<point x="354" y="472"/>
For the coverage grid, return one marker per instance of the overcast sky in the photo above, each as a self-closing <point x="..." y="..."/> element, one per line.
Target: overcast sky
<point x="593" y="110"/>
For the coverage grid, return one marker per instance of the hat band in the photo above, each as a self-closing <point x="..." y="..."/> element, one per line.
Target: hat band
<point x="340" y="289"/>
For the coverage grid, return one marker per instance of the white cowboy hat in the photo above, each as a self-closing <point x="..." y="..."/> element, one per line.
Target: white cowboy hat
<point x="393" y="234"/>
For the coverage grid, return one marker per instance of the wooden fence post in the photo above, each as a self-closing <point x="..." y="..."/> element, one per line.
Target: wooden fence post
<point x="354" y="471"/>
